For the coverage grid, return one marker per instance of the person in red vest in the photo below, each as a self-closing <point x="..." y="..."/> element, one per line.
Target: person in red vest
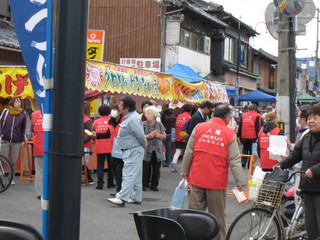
<point x="87" y="145"/>
<point x="249" y="127"/>
<point x="38" y="138"/>
<point x="104" y="146"/>
<point x="212" y="148"/>
<point x="180" y="143"/>
<point x="268" y="128"/>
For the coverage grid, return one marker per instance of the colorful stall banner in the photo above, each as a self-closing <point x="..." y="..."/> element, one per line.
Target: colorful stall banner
<point x="190" y="92"/>
<point x="95" y="44"/>
<point x="217" y="92"/>
<point x="29" y="18"/>
<point x="115" y="78"/>
<point x="15" y="82"/>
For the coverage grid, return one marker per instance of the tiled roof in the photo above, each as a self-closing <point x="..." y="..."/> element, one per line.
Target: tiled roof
<point x="8" y="36"/>
<point x="210" y="17"/>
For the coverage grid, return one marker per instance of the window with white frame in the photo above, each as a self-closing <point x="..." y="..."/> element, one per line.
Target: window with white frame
<point x="184" y="38"/>
<point x="194" y="41"/>
<point x="229" y="49"/>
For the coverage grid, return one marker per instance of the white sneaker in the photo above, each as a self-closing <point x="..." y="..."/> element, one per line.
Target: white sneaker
<point x="130" y="201"/>
<point x="13" y="182"/>
<point x="116" y="201"/>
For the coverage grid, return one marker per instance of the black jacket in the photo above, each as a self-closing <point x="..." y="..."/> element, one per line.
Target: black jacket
<point x="168" y="119"/>
<point x="306" y="150"/>
<point x="192" y="123"/>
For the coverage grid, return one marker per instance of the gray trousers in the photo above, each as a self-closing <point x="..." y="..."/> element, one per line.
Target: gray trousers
<point x="312" y="215"/>
<point x="215" y="201"/>
<point x="11" y="151"/>
<point x="39" y="174"/>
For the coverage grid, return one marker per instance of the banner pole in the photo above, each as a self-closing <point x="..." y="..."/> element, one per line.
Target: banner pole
<point x="47" y="119"/>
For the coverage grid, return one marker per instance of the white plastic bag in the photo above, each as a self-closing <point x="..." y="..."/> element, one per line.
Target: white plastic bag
<point x="179" y="195"/>
<point x="255" y="183"/>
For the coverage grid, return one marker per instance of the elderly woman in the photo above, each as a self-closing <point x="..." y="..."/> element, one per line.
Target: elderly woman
<point x="155" y="134"/>
<point x="307" y="150"/>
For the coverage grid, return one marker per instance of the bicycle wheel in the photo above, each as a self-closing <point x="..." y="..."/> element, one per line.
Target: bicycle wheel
<point x="252" y="224"/>
<point x="6" y="173"/>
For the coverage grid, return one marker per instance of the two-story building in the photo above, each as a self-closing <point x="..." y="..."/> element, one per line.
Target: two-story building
<point x="194" y="33"/>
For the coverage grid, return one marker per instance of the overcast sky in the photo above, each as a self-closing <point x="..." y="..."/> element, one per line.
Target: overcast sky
<point x="252" y="12"/>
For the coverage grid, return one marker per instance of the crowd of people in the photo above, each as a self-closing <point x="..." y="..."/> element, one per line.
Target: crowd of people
<point x="206" y="138"/>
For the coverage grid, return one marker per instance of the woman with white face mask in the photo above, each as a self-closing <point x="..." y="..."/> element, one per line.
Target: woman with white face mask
<point x="301" y="123"/>
<point x="116" y="163"/>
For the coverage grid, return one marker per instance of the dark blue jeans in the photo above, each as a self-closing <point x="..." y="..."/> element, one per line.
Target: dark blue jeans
<point x="169" y="146"/>
<point x="101" y="158"/>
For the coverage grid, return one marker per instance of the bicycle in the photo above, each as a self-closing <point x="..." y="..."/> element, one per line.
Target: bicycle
<point x="266" y="220"/>
<point x="6" y="173"/>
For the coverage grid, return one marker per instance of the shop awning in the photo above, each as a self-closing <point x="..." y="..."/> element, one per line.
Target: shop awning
<point x="306" y="98"/>
<point x="184" y="73"/>
<point x="257" y="96"/>
<point x="231" y="92"/>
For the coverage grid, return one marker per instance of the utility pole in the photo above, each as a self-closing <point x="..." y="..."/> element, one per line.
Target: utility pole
<point x="317" y="49"/>
<point x="237" y="82"/>
<point x="67" y="122"/>
<point x="286" y="75"/>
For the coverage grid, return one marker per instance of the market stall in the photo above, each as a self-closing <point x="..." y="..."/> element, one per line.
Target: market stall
<point x="107" y="77"/>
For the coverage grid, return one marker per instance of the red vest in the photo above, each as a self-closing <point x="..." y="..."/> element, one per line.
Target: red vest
<point x="89" y="143"/>
<point x="180" y="121"/>
<point x="264" y="138"/>
<point x="248" y="129"/>
<point x="116" y="130"/>
<point x="101" y="125"/>
<point x="210" y="164"/>
<point x="38" y="135"/>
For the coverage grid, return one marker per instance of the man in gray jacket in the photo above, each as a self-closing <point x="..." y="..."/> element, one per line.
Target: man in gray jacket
<point x="132" y="141"/>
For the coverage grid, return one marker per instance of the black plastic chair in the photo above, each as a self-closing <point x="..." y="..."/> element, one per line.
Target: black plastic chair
<point x="10" y="230"/>
<point x="173" y="224"/>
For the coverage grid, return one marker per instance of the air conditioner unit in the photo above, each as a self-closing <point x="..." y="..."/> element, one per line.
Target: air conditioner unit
<point x="205" y="44"/>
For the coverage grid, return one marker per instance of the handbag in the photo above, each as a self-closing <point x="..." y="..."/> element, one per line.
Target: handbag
<point x="116" y="151"/>
<point x="179" y="194"/>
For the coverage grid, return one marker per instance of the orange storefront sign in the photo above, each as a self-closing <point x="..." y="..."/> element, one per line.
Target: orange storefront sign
<point x="95" y="44"/>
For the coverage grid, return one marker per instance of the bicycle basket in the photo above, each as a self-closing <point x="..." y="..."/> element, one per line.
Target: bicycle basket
<point x="270" y="193"/>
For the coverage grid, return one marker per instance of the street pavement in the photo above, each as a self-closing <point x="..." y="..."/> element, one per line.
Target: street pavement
<point x="101" y="220"/>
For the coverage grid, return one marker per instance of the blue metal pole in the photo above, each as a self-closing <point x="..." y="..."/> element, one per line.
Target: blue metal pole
<point x="47" y="120"/>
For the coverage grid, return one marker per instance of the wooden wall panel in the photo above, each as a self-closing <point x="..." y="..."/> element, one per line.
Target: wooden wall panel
<point x="132" y="27"/>
<point x="8" y="57"/>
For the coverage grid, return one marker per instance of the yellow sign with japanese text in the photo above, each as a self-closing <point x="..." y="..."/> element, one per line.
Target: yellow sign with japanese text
<point x="115" y="78"/>
<point x="15" y="82"/>
<point x="95" y="44"/>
